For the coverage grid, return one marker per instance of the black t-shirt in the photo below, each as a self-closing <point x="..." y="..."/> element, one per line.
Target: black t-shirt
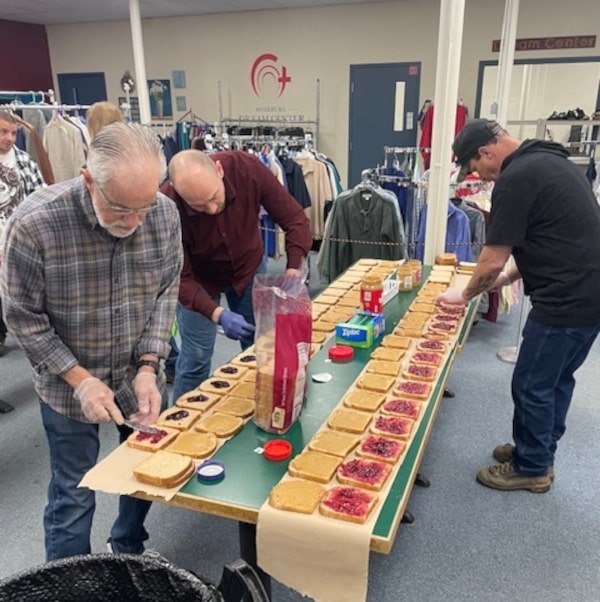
<point x="543" y="207"/>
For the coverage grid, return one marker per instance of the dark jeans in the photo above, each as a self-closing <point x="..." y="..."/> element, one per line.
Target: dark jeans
<point x="542" y="388"/>
<point x="171" y="360"/>
<point x="198" y="336"/>
<point x="74" y="448"/>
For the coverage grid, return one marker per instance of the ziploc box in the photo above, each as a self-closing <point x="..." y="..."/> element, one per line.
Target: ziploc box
<point x="363" y="330"/>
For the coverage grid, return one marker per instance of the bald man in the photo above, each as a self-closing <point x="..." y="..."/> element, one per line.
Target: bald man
<point x="219" y="197"/>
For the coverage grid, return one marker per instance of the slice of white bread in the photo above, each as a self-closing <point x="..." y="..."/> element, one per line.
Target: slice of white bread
<point x="246" y="359"/>
<point x="236" y="406"/>
<point x="296" y="496"/>
<point x="147" y="442"/>
<point x="430" y="345"/>
<point x="429" y="358"/>
<point x="194" y="444"/>
<point x="444" y="327"/>
<point x="230" y="372"/>
<point x="197" y="400"/>
<point x="420" y="372"/>
<point x="178" y="418"/>
<point x="222" y="425"/>
<point x="370" y="474"/>
<point x="388" y="354"/>
<point x="348" y="503"/>
<point x="396" y="342"/>
<point x="333" y="442"/>
<point x="393" y="426"/>
<point x="349" y="421"/>
<point x="218" y="386"/>
<point x="375" y="382"/>
<point x="402" y="407"/>
<point x="377" y="447"/>
<point x="245" y="389"/>
<point x="360" y="399"/>
<point x="412" y="388"/>
<point x="382" y="367"/>
<point x="314" y="466"/>
<point x="164" y="469"/>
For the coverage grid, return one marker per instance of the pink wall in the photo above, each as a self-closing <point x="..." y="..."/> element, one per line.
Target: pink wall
<point x="25" y="57"/>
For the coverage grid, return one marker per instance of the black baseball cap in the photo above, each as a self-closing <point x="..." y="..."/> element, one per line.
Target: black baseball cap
<point x="475" y="134"/>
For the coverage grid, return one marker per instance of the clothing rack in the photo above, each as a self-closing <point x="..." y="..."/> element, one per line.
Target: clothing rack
<point x="389" y="150"/>
<point x="34" y="93"/>
<point x="55" y="107"/>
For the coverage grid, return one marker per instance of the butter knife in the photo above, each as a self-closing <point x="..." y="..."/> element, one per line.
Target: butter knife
<point x="149" y="430"/>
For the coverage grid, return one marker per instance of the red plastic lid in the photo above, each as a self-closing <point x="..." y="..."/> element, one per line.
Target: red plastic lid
<point x="341" y="353"/>
<point x="277" y="450"/>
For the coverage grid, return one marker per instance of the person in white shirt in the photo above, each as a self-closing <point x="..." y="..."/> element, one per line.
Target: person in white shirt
<point x="19" y="177"/>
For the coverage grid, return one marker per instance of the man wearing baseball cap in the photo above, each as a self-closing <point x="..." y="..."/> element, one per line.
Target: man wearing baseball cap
<point x="544" y="213"/>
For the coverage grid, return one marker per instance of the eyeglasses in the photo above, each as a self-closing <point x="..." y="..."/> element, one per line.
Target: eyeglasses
<point x="119" y="208"/>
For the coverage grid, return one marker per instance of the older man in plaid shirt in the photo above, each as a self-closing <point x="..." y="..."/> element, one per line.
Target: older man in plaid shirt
<point x="90" y="280"/>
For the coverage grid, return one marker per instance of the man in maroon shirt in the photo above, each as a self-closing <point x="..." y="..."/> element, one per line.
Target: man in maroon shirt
<point x="219" y="198"/>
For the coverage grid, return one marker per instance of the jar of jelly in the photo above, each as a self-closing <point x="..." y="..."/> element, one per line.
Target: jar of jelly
<point x="405" y="278"/>
<point x="417" y="268"/>
<point x="371" y="294"/>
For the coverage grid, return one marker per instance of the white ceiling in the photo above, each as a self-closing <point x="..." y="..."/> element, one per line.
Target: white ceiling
<point x="76" y="11"/>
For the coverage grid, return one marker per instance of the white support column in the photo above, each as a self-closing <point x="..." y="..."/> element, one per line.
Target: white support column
<point x="506" y="60"/>
<point x="135" y="21"/>
<point x="446" y="96"/>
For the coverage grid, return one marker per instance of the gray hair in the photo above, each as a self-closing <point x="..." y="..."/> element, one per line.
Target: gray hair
<point x="122" y="143"/>
<point x="7" y="116"/>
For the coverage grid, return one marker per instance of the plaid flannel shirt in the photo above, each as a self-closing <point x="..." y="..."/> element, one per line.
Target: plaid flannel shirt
<point x="29" y="172"/>
<point x="73" y="294"/>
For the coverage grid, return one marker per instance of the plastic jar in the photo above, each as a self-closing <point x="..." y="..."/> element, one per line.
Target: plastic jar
<point x="417" y="268"/>
<point x="405" y="278"/>
<point x="371" y="294"/>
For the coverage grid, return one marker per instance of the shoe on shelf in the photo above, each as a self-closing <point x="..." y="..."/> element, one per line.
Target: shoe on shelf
<point x="505" y="478"/>
<point x="504" y="453"/>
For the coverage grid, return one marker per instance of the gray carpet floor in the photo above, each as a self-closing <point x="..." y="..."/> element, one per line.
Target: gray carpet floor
<point x="467" y="543"/>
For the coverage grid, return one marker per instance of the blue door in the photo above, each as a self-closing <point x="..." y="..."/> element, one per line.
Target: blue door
<point x="384" y="106"/>
<point x="81" y="88"/>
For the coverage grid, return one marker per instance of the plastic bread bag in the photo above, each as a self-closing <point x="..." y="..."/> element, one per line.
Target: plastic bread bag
<point x="282" y="312"/>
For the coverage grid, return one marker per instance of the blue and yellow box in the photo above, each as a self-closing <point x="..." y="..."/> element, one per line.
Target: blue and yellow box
<point x="363" y="330"/>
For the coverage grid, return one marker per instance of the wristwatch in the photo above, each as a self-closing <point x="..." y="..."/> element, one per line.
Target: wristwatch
<point x="152" y="363"/>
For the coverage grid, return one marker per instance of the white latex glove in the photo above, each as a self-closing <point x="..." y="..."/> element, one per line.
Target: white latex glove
<point x="148" y="397"/>
<point x="97" y="401"/>
<point x="452" y="296"/>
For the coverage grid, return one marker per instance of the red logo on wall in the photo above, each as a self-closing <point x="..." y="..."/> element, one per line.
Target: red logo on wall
<point x="264" y="68"/>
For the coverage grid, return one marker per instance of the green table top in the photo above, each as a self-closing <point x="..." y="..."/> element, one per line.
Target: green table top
<point x="250" y="477"/>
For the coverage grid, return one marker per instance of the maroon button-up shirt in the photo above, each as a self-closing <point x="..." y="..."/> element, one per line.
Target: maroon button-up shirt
<point x="227" y="248"/>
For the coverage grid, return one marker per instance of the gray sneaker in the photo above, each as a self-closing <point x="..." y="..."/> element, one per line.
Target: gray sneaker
<point x="504" y="453"/>
<point x="505" y="478"/>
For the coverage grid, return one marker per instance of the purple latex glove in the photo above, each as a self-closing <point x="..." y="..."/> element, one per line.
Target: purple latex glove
<point x="234" y="325"/>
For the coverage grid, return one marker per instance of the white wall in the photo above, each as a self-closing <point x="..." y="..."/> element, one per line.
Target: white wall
<point x="312" y="43"/>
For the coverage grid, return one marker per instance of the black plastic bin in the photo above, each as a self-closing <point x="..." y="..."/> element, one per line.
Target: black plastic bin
<point x="128" y="578"/>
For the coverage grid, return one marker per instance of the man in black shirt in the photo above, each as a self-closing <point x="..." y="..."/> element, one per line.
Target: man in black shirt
<point x="545" y="214"/>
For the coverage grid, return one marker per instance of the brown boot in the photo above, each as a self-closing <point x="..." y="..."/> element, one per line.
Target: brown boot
<point x="504" y="453"/>
<point x="506" y="478"/>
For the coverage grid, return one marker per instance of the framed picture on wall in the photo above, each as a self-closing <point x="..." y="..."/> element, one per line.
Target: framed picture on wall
<point x="161" y="105"/>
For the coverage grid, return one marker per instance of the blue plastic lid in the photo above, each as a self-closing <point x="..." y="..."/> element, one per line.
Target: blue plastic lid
<point x="211" y="471"/>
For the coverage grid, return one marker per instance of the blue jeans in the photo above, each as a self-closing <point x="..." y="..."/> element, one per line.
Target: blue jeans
<point x="542" y="388"/>
<point x="198" y="336"/>
<point x="68" y="515"/>
<point x="171" y="360"/>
